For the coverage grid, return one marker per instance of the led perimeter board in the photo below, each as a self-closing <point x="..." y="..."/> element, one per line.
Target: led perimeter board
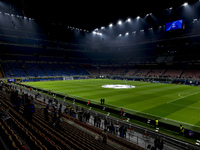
<point x="174" y="25"/>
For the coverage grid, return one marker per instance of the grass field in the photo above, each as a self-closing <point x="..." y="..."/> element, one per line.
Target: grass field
<point x="175" y="104"/>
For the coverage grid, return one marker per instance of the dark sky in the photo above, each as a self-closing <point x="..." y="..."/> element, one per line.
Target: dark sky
<point x="91" y="14"/>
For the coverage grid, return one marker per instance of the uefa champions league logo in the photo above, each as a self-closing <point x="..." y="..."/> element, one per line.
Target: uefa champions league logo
<point x="118" y="86"/>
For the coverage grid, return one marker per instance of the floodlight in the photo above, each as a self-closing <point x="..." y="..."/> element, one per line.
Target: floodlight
<point x="127" y="33"/>
<point x="119" y="22"/>
<point x="111" y="25"/>
<point x="185" y="4"/>
<point x="120" y="34"/>
<point x="138" y="17"/>
<point x="128" y="20"/>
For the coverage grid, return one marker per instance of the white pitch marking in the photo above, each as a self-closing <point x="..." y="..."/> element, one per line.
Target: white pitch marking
<point x="183" y="97"/>
<point x="185" y="106"/>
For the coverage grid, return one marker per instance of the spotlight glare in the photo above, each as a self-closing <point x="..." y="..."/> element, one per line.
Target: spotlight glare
<point x="120" y="34"/>
<point x="138" y="17"/>
<point x="185" y="4"/>
<point x="111" y="25"/>
<point x="119" y="22"/>
<point x="127" y="33"/>
<point x="128" y="20"/>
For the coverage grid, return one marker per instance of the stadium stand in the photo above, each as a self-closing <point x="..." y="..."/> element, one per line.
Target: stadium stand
<point x="173" y="73"/>
<point x="39" y="133"/>
<point x="58" y="69"/>
<point x="195" y="74"/>
<point x="33" y="69"/>
<point x="48" y="70"/>
<point x="156" y="73"/>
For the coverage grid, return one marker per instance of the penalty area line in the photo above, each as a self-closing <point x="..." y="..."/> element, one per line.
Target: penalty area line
<point x="182" y="97"/>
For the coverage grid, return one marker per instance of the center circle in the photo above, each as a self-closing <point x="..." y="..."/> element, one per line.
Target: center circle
<point x="118" y="86"/>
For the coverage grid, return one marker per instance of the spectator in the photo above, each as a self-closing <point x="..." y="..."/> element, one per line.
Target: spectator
<point x="30" y="110"/>
<point x="161" y="144"/>
<point x="112" y="129"/>
<point x="121" y="130"/>
<point x="104" y="135"/>
<point x="157" y="142"/>
<point x="105" y="123"/>
<point x="87" y="117"/>
<point x="60" y="110"/>
<point x="98" y="122"/>
<point x="66" y="110"/>
<point x="59" y="120"/>
<point x="95" y="120"/>
<point x="18" y="103"/>
<point x="46" y="114"/>
<point x="124" y="131"/>
<point x="54" y="115"/>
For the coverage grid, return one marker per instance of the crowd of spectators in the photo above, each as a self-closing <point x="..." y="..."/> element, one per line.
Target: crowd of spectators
<point x="18" y="99"/>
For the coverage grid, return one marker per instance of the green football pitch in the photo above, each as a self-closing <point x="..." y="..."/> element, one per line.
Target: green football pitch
<point x="170" y="103"/>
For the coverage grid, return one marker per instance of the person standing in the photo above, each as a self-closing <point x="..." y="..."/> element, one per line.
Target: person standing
<point x="95" y="120"/>
<point x="161" y="144"/>
<point x="88" y="103"/>
<point x="104" y="136"/>
<point x="30" y="110"/>
<point x="98" y="122"/>
<point x="103" y="100"/>
<point x="182" y="130"/>
<point x="156" y="123"/>
<point x="157" y="142"/>
<point x="124" y="131"/>
<point x="121" y="113"/>
<point x="46" y="114"/>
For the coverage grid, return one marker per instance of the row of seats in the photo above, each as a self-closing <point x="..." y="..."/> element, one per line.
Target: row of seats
<point x="130" y="71"/>
<point x="17" y="69"/>
<point x="10" y="137"/>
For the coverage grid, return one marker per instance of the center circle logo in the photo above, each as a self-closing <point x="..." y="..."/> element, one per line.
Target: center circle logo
<point x="118" y="86"/>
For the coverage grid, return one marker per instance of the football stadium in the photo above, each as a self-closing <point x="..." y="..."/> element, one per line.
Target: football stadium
<point x="96" y="76"/>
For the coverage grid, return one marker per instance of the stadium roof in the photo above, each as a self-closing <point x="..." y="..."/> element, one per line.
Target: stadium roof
<point x="91" y="14"/>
